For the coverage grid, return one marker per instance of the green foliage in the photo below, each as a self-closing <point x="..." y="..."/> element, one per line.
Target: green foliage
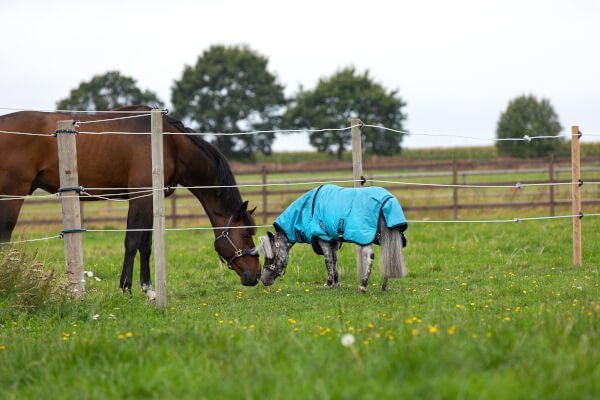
<point x="529" y="116"/>
<point x="106" y="92"/>
<point x="346" y="95"/>
<point x="25" y="283"/>
<point x="230" y="90"/>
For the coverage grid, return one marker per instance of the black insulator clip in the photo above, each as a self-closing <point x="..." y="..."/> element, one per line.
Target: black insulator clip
<point x="65" y="131"/>
<point x="580" y="214"/>
<point x="579" y="134"/>
<point x="77" y="189"/>
<point x="67" y="231"/>
<point x="580" y="184"/>
<point x="363" y="180"/>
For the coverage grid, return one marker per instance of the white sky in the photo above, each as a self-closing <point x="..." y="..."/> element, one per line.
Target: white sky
<point x="456" y="63"/>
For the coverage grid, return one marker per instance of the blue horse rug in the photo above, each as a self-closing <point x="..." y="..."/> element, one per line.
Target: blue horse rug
<point x="333" y="213"/>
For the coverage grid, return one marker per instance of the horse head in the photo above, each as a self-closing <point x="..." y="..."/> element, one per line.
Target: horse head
<point x="236" y="247"/>
<point x="276" y="251"/>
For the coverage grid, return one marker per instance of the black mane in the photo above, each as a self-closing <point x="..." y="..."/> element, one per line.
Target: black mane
<point x="232" y="199"/>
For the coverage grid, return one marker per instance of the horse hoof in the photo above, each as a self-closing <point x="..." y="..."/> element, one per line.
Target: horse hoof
<point x="150" y="296"/>
<point x="328" y="286"/>
<point x="384" y="288"/>
<point x="362" y="289"/>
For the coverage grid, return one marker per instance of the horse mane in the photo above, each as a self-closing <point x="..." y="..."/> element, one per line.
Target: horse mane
<point x="231" y="197"/>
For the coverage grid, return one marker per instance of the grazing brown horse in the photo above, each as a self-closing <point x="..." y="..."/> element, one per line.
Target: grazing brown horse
<point x="28" y="163"/>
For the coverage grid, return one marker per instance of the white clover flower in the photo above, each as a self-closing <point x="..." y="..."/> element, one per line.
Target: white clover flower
<point x="347" y="340"/>
<point x="95" y="316"/>
<point x="111" y="316"/>
<point x="98" y="279"/>
<point x="89" y="274"/>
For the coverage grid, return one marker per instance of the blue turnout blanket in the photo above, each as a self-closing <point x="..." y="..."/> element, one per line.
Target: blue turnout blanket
<point x="333" y="213"/>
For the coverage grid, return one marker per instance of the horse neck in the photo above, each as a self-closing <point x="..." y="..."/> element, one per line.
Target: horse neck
<point x="195" y="168"/>
<point x="283" y="241"/>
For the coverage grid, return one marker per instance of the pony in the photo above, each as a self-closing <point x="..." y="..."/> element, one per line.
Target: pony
<point x="107" y="161"/>
<point x="329" y="215"/>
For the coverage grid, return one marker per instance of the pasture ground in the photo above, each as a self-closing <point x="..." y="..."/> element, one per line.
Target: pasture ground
<point x="488" y="311"/>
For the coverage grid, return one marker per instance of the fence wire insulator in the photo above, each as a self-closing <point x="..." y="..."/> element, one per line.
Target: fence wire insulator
<point x="519" y="185"/>
<point x="580" y="184"/>
<point x="579" y="134"/>
<point x="580" y="214"/>
<point x="516" y="220"/>
<point x="526" y="138"/>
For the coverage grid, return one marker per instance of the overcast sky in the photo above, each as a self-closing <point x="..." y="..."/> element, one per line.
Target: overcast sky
<point x="456" y="63"/>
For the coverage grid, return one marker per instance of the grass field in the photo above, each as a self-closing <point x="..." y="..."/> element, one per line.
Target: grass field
<point x="487" y="311"/>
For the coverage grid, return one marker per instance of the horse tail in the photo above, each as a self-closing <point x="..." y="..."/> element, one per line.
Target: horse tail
<point x="392" y="263"/>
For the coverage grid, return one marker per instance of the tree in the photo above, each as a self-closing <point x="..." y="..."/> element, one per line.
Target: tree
<point x="230" y="90"/>
<point x="525" y="115"/>
<point x="338" y="99"/>
<point x="106" y="92"/>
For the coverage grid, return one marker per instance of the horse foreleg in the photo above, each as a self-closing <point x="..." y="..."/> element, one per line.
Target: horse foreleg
<point x="145" y="253"/>
<point x="137" y="218"/>
<point x="368" y="256"/>
<point x="9" y="212"/>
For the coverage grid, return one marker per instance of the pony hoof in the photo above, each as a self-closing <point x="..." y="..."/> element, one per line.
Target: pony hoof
<point x="150" y="296"/>
<point x="384" y="288"/>
<point x="328" y="286"/>
<point x="362" y="289"/>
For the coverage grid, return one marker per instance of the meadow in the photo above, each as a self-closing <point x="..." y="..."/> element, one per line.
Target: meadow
<point x="489" y="311"/>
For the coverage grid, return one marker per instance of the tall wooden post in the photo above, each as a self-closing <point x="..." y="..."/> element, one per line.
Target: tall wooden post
<point x="158" y="184"/>
<point x="551" y="176"/>
<point x="69" y="178"/>
<point x="264" y="194"/>
<point x="576" y="197"/>
<point x="357" y="173"/>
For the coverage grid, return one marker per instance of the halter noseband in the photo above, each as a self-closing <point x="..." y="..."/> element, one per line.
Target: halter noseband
<point x="271" y="267"/>
<point x="237" y="252"/>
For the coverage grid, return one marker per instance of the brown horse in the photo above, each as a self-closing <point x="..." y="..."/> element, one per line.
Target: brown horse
<point x="28" y="163"/>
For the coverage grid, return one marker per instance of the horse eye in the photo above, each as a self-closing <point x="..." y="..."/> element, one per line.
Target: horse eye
<point x="245" y="236"/>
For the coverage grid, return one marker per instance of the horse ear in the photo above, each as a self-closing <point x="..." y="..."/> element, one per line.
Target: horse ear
<point x="242" y="210"/>
<point x="252" y="211"/>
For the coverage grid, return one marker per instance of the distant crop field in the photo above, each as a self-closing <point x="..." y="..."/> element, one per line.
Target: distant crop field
<point x="488" y="311"/>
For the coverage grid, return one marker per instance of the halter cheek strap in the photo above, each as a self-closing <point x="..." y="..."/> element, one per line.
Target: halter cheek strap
<point x="271" y="267"/>
<point x="237" y="252"/>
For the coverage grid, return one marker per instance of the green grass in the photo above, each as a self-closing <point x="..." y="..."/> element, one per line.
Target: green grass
<point x="487" y="311"/>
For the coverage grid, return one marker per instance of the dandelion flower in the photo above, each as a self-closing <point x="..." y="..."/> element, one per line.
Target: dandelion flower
<point x="347" y="340"/>
<point x="129" y="334"/>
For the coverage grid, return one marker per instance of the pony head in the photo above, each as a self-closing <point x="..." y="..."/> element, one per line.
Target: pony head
<point x="276" y="251"/>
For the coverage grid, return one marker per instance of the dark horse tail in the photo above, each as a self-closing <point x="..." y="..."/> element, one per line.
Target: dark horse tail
<point x="392" y="263"/>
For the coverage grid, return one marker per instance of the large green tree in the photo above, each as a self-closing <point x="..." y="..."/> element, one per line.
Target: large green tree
<point x="528" y="116"/>
<point x="341" y="97"/>
<point x="230" y="90"/>
<point x="106" y="92"/>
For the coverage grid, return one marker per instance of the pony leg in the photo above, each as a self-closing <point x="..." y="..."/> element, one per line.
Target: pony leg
<point x="368" y="256"/>
<point x="328" y="256"/>
<point x="335" y="247"/>
<point x="384" y="286"/>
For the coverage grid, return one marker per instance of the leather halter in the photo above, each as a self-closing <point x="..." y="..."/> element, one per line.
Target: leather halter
<point x="237" y="252"/>
<point x="271" y="267"/>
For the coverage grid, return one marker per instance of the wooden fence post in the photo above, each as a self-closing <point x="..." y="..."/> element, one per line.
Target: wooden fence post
<point x="551" y="176"/>
<point x="576" y="195"/>
<point x="357" y="173"/>
<point x="455" y="189"/>
<point x="264" y="194"/>
<point x="71" y="211"/>
<point x="158" y="203"/>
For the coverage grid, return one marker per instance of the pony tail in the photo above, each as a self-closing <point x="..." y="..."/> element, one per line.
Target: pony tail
<point x="392" y="263"/>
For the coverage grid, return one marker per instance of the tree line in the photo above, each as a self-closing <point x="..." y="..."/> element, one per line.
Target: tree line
<point x="230" y="89"/>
